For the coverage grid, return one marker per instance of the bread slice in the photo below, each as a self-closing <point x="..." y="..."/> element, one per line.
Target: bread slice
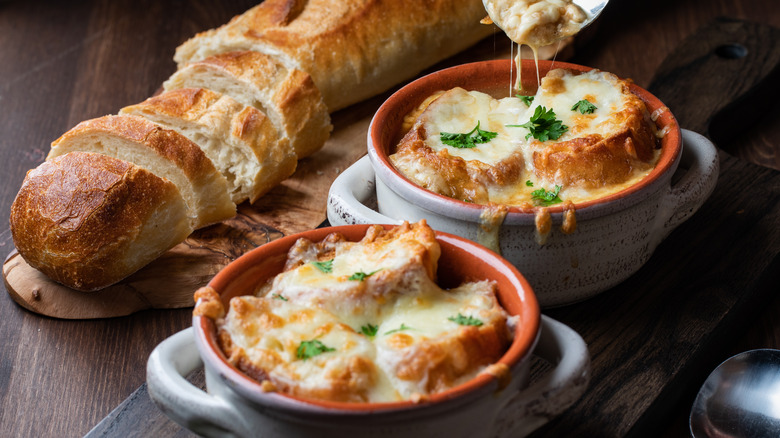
<point x="161" y="151"/>
<point x="604" y="148"/>
<point x="87" y="220"/>
<point x="353" y="49"/>
<point x="239" y="139"/>
<point x="288" y="97"/>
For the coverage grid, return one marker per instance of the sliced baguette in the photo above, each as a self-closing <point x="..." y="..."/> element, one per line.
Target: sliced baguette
<point x="163" y="152"/>
<point x="239" y="139"/>
<point x="88" y="220"/>
<point x="353" y="49"/>
<point x="288" y="97"/>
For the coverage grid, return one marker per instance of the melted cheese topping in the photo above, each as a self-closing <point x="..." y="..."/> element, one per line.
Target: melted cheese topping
<point x="459" y="111"/>
<point x="416" y="347"/>
<point x="457" y="108"/>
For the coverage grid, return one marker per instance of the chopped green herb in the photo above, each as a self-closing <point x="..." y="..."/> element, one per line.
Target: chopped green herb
<point x="465" y="320"/>
<point x="326" y="266"/>
<point x="529" y="183"/>
<point x="369" y="330"/>
<point x="527" y="100"/>
<point x="584" y="106"/>
<point x="543" y="125"/>
<point x="546" y="198"/>
<point x="360" y="276"/>
<point x="279" y="297"/>
<point x="403" y="327"/>
<point x="309" y="349"/>
<point x="469" y="139"/>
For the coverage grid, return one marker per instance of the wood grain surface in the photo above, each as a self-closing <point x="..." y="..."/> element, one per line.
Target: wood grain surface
<point x="63" y="62"/>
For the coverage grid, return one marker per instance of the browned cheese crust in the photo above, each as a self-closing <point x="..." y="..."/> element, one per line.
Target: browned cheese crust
<point x="87" y="220"/>
<point x="444" y="360"/>
<point x="348" y="383"/>
<point x="426" y="255"/>
<point x="260" y="334"/>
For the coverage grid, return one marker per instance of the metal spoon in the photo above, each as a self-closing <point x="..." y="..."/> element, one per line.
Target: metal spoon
<point x="741" y="398"/>
<point x="592" y="8"/>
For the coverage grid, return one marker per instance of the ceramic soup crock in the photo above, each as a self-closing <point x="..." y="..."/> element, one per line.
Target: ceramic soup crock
<point x="236" y="405"/>
<point x="615" y="235"/>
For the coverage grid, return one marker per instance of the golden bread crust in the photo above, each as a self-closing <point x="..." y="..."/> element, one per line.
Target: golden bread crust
<point x="353" y="49"/>
<point x="87" y="220"/>
<point x="457" y="178"/>
<point x="287" y="96"/>
<point x="142" y="142"/>
<point x="269" y="159"/>
<point x="594" y="161"/>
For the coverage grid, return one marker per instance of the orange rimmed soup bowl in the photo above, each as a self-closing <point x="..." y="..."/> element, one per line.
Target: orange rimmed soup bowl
<point x="483" y="406"/>
<point x="615" y="234"/>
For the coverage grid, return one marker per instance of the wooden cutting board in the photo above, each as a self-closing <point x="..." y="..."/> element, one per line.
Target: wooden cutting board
<point x="297" y="204"/>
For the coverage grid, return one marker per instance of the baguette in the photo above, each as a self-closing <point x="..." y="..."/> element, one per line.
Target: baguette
<point x="288" y="97"/>
<point x="239" y="139"/>
<point x="353" y="49"/>
<point x="87" y="220"/>
<point x="249" y="100"/>
<point x="162" y="152"/>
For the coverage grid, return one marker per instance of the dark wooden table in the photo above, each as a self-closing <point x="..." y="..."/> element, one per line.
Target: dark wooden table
<point x="64" y="62"/>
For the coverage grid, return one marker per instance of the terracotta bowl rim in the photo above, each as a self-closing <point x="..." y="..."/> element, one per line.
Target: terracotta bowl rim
<point x="525" y="337"/>
<point x="410" y="95"/>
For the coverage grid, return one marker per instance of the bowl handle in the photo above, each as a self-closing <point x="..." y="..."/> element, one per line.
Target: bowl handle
<point x="529" y="409"/>
<point x="182" y="401"/>
<point x="349" y="193"/>
<point x="689" y="191"/>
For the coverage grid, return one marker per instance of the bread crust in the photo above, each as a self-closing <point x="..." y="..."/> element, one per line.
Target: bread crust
<point x="593" y="161"/>
<point x="138" y="140"/>
<point x="266" y="158"/>
<point x="88" y="220"/>
<point x="287" y="96"/>
<point x="353" y="49"/>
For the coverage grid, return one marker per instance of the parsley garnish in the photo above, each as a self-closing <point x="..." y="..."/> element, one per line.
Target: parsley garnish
<point x="326" y="266"/>
<point x="465" y="320"/>
<point x="403" y="327"/>
<point x="468" y="140"/>
<point x="279" y="297"/>
<point x="543" y="125"/>
<point x="309" y="349"/>
<point x="529" y="183"/>
<point x="369" y="330"/>
<point x="527" y="100"/>
<point x="584" y="106"/>
<point x="360" y="276"/>
<point x="546" y="198"/>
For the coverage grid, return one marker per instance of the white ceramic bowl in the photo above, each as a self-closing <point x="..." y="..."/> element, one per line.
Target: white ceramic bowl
<point x="615" y="235"/>
<point x="485" y="406"/>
